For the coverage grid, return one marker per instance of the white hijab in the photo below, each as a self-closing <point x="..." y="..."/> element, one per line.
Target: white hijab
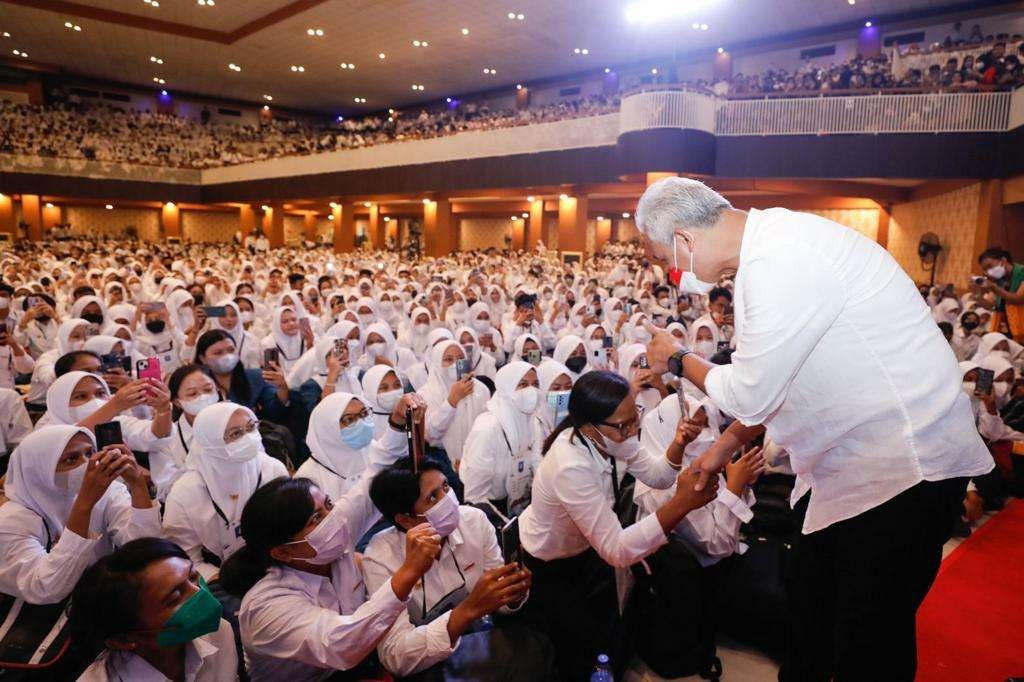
<point x="501" y="408"/>
<point x="291" y="347"/>
<point x="548" y="371"/>
<point x="58" y="397"/>
<point x="435" y="392"/>
<point x="371" y="386"/>
<point x="324" y="437"/>
<point x="209" y="456"/>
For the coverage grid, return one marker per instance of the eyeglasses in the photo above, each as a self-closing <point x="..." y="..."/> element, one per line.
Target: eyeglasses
<point x="234" y="434"/>
<point x="348" y="420"/>
<point x="624" y="427"/>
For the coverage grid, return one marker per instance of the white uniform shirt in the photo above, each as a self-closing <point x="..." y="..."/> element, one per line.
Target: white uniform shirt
<point x="11" y="365"/>
<point x="839" y="357"/>
<point x="15" y="423"/>
<point x="192" y="522"/>
<point x="29" y="571"/>
<point x="167" y="460"/>
<point x="571" y="504"/>
<point x="471" y="549"/>
<point x="487" y="460"/>
<point x="210" y="658"/>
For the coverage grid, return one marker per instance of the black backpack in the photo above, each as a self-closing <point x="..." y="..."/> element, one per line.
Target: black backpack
<point x="670" y="582"/>
<point x="279" y="443"/>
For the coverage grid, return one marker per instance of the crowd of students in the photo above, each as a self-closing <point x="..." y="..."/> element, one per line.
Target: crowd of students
<point x="259" y="512"/>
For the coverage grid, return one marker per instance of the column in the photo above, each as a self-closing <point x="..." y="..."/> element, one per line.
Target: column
<point x="603" y="232"/>
<point x="273" y="225"/>
<point x="31" y="213"/>
<point x="51" y="216"/>
<point x="989" y="222"/>
<point x="654" y="177"/>
<point x="246" y="220"/>
<point x="535" y="227"/>
<point x="7" y="216"/>
<point x="374" y="231"/>
<point x="572" y="224"/>
<point x="344" y="228"/>
<point x="518" y="233"/>
<point x="170" y="220"/>
<point x="438" y="228"/>
<point x="882" y="232"/>
<point x="309" y="227"/>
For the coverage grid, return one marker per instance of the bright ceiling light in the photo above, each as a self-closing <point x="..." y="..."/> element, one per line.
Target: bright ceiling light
<point x="721" y="50"/>
<point x="867" y="24"/>
<point x="465" y="31"/>
<point x="625" y="215"/>
<point x="347" y="65"/>
<point x="519" y="86"/>
<point x="382" y="56"/>
<point x="269" y="98"/>
<point x="563" y="196"/>
<point x="651" y="11"/>
<point x="420" y="43"/>
<point x="360" y="100"/>
<point x="391" y="111"/>
<point x="526" y="215"/>
<point x="7" y="34"/>
<point x="317" y="32"/>
<point x="234" y="67"/>
<point x="298" y="69"/>
<point x="607" y="70"/>
<point x="851" y="2"/>
<point x="333" y="204"/>
<point x="367" y="204"/>
<point x="109" y="207"/>
<point x="156" y="60"/>
<point x="426" y="201"/>
<point x="489" y="71"/>
<point x="521" y="17"/>
<point x="448" y="99"/>
<point x="654" y="71"/>
<point x="264" y="207"/>
<point x="387" y="219"/>
<point x="266" y="107"/>
<point x="529" y="198"/>
<point x="158" y="79"/>
<point x="49" y="205"/>
<point x="515" y="217"/>
<point x="600" y="218"/>
<point x="205" y="3"/>
<point x="73" y="27"/>
<point x="516" y="16"/>
<point x="703" y="27"/>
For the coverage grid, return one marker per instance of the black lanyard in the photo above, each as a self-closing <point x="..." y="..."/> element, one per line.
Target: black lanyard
<point x="220" y="512"/>
<point x="313" y="457"/>
<point x="424" y="580"/>
<point x="181" y="437"/>
<point x="302" y="349"/>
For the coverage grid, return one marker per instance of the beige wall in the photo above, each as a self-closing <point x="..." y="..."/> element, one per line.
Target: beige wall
<point x="209" y="226"/>
<point x="627" y="229"/>
<point x="293" y="225"/>
<point x="483" y="233"/>
<point x="864" y="220"/>
<point x="953" y="217"/>
<point x="96" y="220"/>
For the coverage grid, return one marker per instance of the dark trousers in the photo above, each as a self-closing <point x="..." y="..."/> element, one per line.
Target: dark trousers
<point x="854" y="587"/>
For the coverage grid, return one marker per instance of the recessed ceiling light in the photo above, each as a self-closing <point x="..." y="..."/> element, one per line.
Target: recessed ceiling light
<point x="520" y="17"/>
<point x="382" y="55"/>
<point x="703" y="27"/>
<point x="264" y="207"/>
<point x="607" y="70"/>
<point x="269" y="98"/>
<point x="529" y="198"/>
<point x="266" y="107"/>
<point x="654" y="71"/>
<point x="109" y="207"/>
<point x="158" y="79"/>
<point x="156" y="60"/>
<point x="333" y="204"/>
<point x="721" y="50"/>
<point x="417" y="87"/>
<point x="563" y="196"/>
<point x="526" y="215"/>
<point x="851" y="2"/>
<point x="73" y="27"/>
<point x="465" y="31"/>
<point x="205" y="3"/>
<point x="6" y="34"/>
<point x="625" y="215"/>
<point x="330" y="217"/>
<point x="519" y="86"/>
<point x="391" y="111"/>
<point x="420" y="43"/>
<point x="359" y="100"/>
<point x="163" y="93"/>
<point x="298" y="69"/>
<point x="448" y="99"/>
<point x="580" y="50"/>
<point x="155" y="3"/>
<point x="515" y="218"/>
<point x="49" y="205"/>
<point x="600" y="217"/>
<point x="19" y="53"/>
<point x="234" y="67"/>
<point x="347" y="65"/>
<point x="695" y="26"/>
<point x="367" y="204"/>
<point x="867" y="24"/>
<point x="387" y="219"/>
<point x="317" y="32"/>
<point x="489" y="71"/>
<point x="513" y="16"/>
<point x="426" y="201"/>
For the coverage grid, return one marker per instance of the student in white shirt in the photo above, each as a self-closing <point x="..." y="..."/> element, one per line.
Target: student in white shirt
<point x="483" y="363"/>
<point x="840" y="359"/>
<point x="192" y="388"/>
<point x="381" y="389"/>
<point x="226" y="464"/>
<point x="502" y="449"/>
<point x="467" y="581"/>
<point x="71" y="336"/>
<point x="555" y="381"/>
<point x="420" y="372"/>
<point x="571" y="351"/>
<point x="287" y="337"/>
<point x="149" y="613"/>
<point x="711" y="533"/>
<point x="453" y="404"/>
<point x="341" y="430"/>
<point x="15" y="422"/>
<point x="65" y="509"/>
<point x="571" y="530"/>
<point x="14" y="360"/>
<point x="37" y="328"/>
<point x="306" y="612"/>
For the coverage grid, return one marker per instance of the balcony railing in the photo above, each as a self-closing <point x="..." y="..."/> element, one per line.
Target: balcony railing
<point x="864" y="114"/>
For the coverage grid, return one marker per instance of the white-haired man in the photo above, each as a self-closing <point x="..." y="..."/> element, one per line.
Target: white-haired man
<point x="838" y="358"/>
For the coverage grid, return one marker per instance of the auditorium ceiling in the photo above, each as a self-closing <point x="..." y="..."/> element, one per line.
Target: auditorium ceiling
<point x="292" y="50"/>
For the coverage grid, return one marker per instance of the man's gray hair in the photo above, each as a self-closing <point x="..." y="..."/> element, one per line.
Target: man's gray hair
<point x="674" y="203"/>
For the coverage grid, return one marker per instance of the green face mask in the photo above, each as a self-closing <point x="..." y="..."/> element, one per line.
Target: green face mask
<point x="198" y="616"/>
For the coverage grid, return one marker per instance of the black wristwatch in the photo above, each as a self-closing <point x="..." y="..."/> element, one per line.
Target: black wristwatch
<point x="675" y="363"/>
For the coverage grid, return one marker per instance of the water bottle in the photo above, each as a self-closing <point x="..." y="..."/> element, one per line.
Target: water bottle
<point x="602" y="671"/>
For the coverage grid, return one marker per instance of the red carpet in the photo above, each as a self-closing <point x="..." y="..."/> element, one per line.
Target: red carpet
<point x="970" y="627"/>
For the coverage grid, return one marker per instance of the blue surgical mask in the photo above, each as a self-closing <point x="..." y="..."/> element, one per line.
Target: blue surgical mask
<point x="359" y="435"/>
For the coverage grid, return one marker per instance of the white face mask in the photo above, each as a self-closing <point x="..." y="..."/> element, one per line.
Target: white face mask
<point x="481" y="325"/>
<point x="365" y="318"/>
<point x="353" y="347"/>
<point x="705" y="349"/>
<point x="245" y="448"/>
<point x="388" y="399"/>
<point x="80" y="412"/>
<point x="422" y="328"/>
<point x="688" y="282"/>
<point x="225" y="363"/>
<point x="997" y="272"/>
<point x="444" y="515"/>
<point x="70" y="481"/>
<point x="196" y="405"/>
<point x="595" y="344"/>
<point x="246" y="316"/>
<point x="526" y="399"/>
<point x="459" y="307"/>
<point x="451" y="373"/>
<point x="376" y="350"/>
<point x="641" y="335"/>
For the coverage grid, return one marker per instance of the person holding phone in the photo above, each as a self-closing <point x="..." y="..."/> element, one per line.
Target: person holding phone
<point x="38" y="327"/>
<point x="332" y="372"/>
<point x="265" y="390"/>
<point x="85" y="399"/>
<point x="983" y="403"/>
<point x="571" y="351"/>
<point x="555" y="382"/>
<point x="480" y="319"/>
<point x="14" y="360"/>
<point x="648" y="388"/>
<point x="528" y="318"/>
<point x="601" y="353"/>
<point x="453" y="403"/>
<point x="66" y="508"/>
<point x="481" y="362"/>
<point x="465" y="581"/>
<point x="288" y="337"/>
<point x="71" y="336"/>
<point x="156" y="336"/>
<point x="571" y="531"/>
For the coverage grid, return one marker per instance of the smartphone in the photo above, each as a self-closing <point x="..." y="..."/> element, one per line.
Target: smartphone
<point x="148" y="368"/>
<point x="109" y="361"/>
<point x="215" y="310"/>
<point x="607" y="342"/>
<point x="304" y="326"/>
<point x="642" y="362"/>
<point x="985" y="378"/>
<point x="340" y="345"/>
<point x="684" y="411"/>
<point x="33" y="301"/>
<point x="108" y="433"/>
<point x="729" y="309"/>
<point x="722" y="345"/>
<point x="511" y="547"/>
<point x="463" y="368"/>
<point x="270" y="357"/>
<point x="126" y="364"/>
<point x="533" y="357"/>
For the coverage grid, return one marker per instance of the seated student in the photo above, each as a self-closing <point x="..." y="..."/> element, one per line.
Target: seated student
<point x="14" y="360"/>
<point x="308" y="365"/>
<point x="226" y="464"/>
<point x="502" y="450"/>
<point x="527" y="318"/>
<point x="305" y="611"/>
<point x="648" y="388"/>
<point x="986" y="413"/>
<point x="250" y="353"/>
<point x="453" y="404"/>
<point x="483" y="365"/>
<point x="15" y="423"/>
<point x="263" y="391"/>
<point x="114" y="348"/>
<point x="160" y="335"/>
<point x="479" y="319"/>
<point x="341" y="434"/>
<point x="555" y="382"/>
<point x="38" y="327"/>
<point x="571" y="351"/>
<point x="71" y="336"/>
<point x="413" y="335"/>
<point x="599" y="358"/>
<point x="381" y="389"/>
<point x="148" y="612"/>
<point x="467" y="580"/>
<point x="192" y="388"/>
<point x="380" y="349"/>
<point x="287" y="337"/>
<point x="571" y="532"/>
<point x="965" y="340"/>
<point x="711" y="533"/>
<point x="66" y="509"/>
<point x="332" y="371"/>
<point x="524" y="345"/>
<point x="419" y="372"/>
<point x="85" y="399"/>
